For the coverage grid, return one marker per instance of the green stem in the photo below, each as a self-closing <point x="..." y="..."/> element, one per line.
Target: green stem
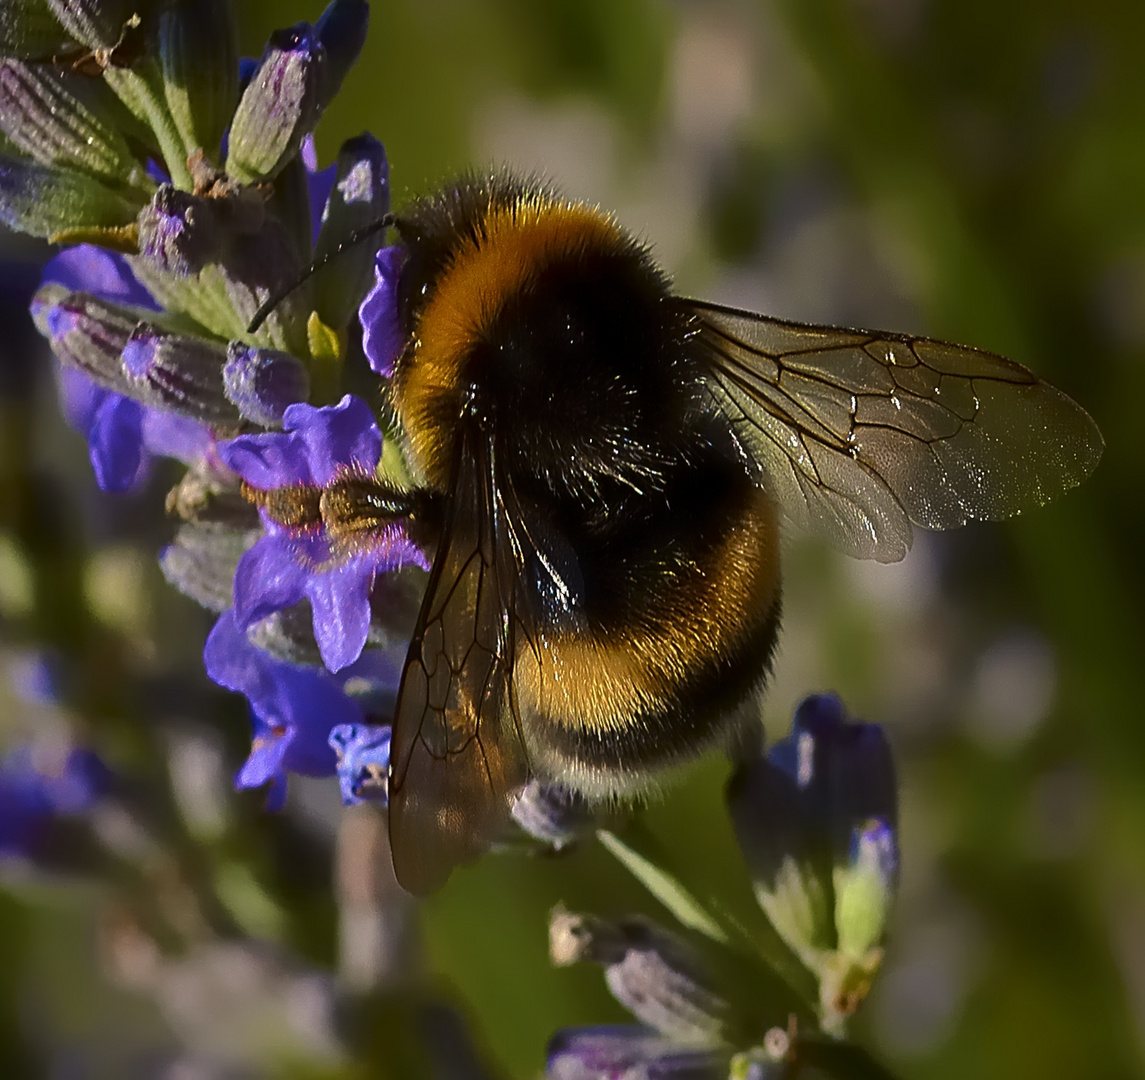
<point x="139" y="93"/>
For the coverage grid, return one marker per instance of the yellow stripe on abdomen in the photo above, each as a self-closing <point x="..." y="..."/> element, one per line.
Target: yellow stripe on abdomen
<point x="602" y="683"/>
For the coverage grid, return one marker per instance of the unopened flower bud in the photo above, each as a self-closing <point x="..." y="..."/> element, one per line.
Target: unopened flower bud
<point x="84" y="332"/>
<point x="201" y="561"/>
<point x="198" y="56"/>
<point x="261" y="383"/>
<point x="121" y="351"/>
<point x="179" y="232"/>
<point x="342" y="31"/>
<point x="650" y="972"/>
<point x="816" y="820"/>
<point x="60" y="118"/>
<point x="864" y="894"/>
<point x="280" y="106"/>
<point x="865" y="888"/>
<point x="179" y="373"/>
<point x="360" y="197"/>
<point x="629" y="1050"/>
<point x="552" y="814"/>
<point x="44" y="201"/>
<point x="363" y="762"/>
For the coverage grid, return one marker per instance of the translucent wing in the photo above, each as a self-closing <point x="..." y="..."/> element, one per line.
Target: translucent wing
<point x="860" y="434"/>
<point x="456" y="754"/>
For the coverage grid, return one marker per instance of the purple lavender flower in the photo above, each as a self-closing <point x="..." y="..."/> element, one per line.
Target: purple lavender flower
<point x="279" y="106"/>
<point x="363" y="762"/>
<point x="292" y="710"/>
<point x="289" y="564"/>
<point x="92" y="269"/>
<point x="618" y="1050"/>
<point x="39" y="783"/>
<point x="816" y="819"/>
<point x="382" y="337"/>
<point x="123" y="435"/>
<point x="306" y="720"/>
<point x="815" y="788"/>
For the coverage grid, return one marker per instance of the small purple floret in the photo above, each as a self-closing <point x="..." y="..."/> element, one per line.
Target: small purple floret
<point x="363" y="762"/>
<point x="382" y="336"/>
<point x="292" y="710"/>
<point x="290" y="564"/>
<point x="123" y="435"/>
<point x="139" y="353"/>
<point x="87" y="268"/>
<point x="817" y="793"/>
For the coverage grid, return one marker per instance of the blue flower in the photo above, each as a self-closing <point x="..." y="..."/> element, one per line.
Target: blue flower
<point x="816" y="819"/>
<point x="292" y="563"/>
<point x="382" y="337"/>
<point x="39" y="783"/>
<point x="363" y="762"/>
<point x="814" y="789"/>
<point x="293" y="710"/>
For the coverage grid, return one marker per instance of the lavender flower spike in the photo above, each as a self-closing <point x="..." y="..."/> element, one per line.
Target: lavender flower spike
<point x="291" y="563"/>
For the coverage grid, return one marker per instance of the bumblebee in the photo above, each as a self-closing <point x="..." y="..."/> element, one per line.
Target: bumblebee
<point x="605" y="467"/>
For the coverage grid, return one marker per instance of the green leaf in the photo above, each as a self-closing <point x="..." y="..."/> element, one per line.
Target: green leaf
<point x="662" y="885"/>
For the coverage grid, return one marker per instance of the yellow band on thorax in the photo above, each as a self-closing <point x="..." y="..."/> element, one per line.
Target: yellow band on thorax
<point x="514" y="244"/>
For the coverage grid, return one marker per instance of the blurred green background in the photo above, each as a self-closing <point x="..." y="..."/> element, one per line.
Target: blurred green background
<point x="967" y="169"/>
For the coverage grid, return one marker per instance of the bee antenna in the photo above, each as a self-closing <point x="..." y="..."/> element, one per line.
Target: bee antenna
<point x="276" y="298"/>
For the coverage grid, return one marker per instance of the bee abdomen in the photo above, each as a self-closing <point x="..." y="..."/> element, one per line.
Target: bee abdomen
<point x="609" y="707"/>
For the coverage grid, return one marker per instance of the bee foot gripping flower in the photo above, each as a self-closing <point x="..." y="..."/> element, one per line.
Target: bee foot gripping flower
<point x="816" y="819"/>
<point x="307" y="553"/>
